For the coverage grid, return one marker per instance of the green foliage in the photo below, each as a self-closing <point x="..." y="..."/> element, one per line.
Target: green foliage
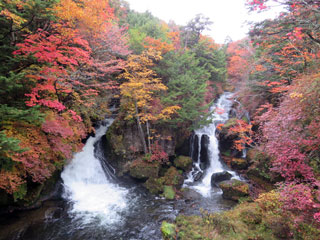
<point x="8" y="115"/>
<point x="213" y="59"/>
<point x="142" y="25"/>
<point x="13" y="88"/>
<point x="8" y="146"/>
<point x="21" y="193"/>
<point x="186" y="82"/>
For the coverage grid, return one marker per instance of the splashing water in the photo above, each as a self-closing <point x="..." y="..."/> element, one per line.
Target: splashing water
<point x="86" y="186"/>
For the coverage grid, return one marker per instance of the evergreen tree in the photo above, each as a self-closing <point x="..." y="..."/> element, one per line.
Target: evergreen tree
<point x="186" y="82"/>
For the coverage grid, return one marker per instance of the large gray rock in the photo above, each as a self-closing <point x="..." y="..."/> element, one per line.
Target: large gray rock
<point x="218" y="177"/>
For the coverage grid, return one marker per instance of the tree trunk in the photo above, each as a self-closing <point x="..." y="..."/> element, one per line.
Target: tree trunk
<point x="140" y="129"/>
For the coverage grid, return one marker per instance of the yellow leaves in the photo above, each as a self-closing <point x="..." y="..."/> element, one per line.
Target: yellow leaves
<point x="139" y="93"/>
<point x="17" y="20"/>
<point x="68" y="10"/>
<point x="296" y="95"/>
<point x="269" y="201"/>
<point x="168" y="111"/>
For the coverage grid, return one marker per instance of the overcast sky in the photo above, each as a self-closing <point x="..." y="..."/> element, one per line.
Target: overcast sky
<point x="228" y="16"/>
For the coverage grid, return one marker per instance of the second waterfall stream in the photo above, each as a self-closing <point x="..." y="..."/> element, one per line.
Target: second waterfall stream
<point x="220" y="115"/>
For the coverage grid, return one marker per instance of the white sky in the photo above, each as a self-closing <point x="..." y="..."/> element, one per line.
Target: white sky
<point x="228" y="16"/>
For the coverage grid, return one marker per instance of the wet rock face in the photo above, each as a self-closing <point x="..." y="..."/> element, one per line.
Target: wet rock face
<point x="204" y="152"/>
<point x="218" y="177"/>
<point x="197" y="176"/>
<point x="195" y="148"/>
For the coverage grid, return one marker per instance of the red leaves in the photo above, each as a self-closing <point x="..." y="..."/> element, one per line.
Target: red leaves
<point x="289" y="134"/>
<point x="158" y="154"/>
<point x="57" y="127"/>
<point x="257" y="4"/>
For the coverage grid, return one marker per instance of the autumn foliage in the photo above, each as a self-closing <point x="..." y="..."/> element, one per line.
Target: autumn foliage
<point x="281" y="91"/>
<point x="61" y="62"/>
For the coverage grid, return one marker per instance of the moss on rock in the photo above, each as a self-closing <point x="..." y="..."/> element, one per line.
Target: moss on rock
<point x="168" y="230"/>
<point x="154" y="185"/>
<point x="143" y="170"/>
<point x="169" y="192"/>
<point x="234" y="189"/>
<point x="183" y="162"/>
<point x="173" y="177"/>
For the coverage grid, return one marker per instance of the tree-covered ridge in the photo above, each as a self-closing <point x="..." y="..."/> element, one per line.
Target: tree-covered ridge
<point x="64" y="60"/>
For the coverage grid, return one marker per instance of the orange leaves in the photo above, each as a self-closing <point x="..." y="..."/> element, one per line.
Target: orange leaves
<point x="10" y="181"/>
<point x="89" y="15"/>
<point x="239" y="60"/>
<point x="260" y="68"/>
<point x="175" y="38"/>
<point x="209" y="42"/>
<point x="244" y="132"/>
<point x="158" y="45"/>
<point x="219" y="126"/>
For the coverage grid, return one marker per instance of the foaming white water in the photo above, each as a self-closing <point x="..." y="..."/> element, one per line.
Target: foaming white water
<point x="220" y="115"/>
<point x="88" y="188"/>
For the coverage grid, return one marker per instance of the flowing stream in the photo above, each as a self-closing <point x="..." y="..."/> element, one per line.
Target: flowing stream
<point x="207" y="136"/>
<point x="94" y="205"/>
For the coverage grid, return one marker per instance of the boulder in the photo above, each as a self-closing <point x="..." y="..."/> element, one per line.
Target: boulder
<point x="234" y="189"/>
<point x="154" y="185"/>
<point x="173" y="177"/>
<point x="204" y="152"/>
<point x="143" y="170"/>
<point x="183" y="162"/>
<point x="218" y="177"/>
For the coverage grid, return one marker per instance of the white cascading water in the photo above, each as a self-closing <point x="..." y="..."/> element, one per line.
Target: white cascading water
<point x="220" y="115"/>
<point x="93" y="196"/>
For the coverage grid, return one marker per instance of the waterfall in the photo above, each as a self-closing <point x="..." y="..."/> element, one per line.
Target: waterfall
<point x="86" y="186"/>
<point x="220" y="115"/>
